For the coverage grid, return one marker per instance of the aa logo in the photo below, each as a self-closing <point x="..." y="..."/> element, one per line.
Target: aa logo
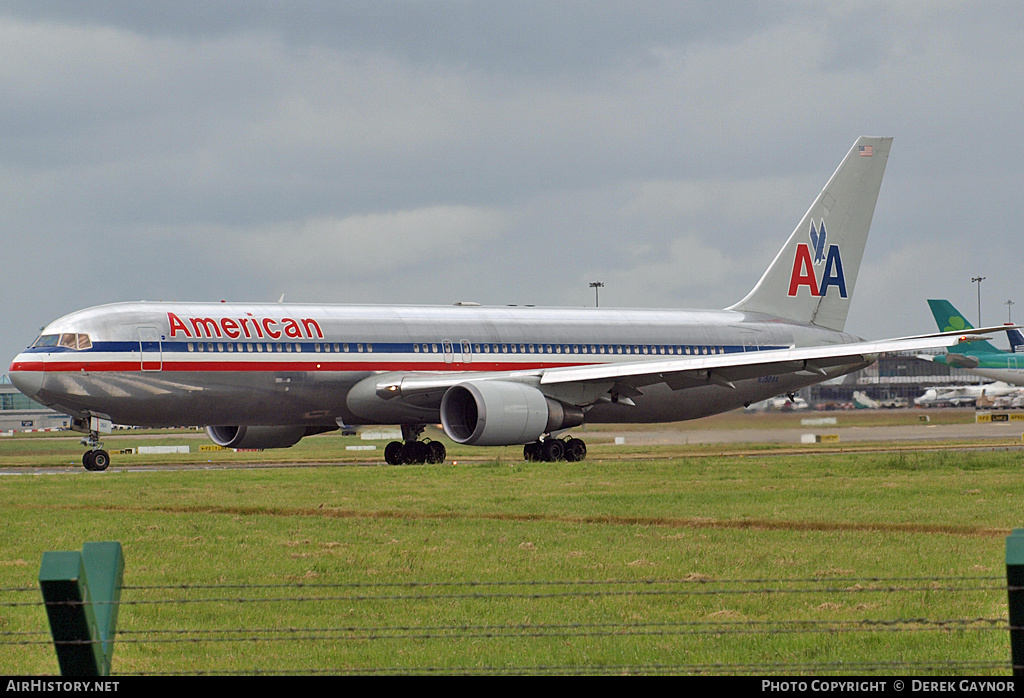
<point x="809" y="257"/>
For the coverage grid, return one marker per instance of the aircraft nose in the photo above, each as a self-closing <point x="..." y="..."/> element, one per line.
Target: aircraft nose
<point x="28" y="382"/>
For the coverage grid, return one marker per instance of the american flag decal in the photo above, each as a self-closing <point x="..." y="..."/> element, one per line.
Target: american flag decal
<point x="867" y="151"/>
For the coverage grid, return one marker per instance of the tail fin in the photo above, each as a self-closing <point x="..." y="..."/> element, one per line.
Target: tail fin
<point x="1016" y="340"/>
<point x="812" y="278"/>
<point x="949" y="319"/>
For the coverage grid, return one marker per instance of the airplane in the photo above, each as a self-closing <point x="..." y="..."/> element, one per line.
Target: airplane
<point x="1016" y="339"/>
<point x="783" y="403"/>
<point x="264" y="375"/>
<point x="958" y="395"/>
<point x="862" y="401"/>
<point x="978" y="357"/>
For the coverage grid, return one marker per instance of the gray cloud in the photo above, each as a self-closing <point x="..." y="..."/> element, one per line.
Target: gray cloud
<point x="444" y="151"/>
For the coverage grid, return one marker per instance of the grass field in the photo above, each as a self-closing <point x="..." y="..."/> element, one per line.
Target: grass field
<point x="743" y="562"/>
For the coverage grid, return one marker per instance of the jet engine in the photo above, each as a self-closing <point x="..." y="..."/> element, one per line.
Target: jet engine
<point x="500" y="413"/>
<point x="261" y="437"/>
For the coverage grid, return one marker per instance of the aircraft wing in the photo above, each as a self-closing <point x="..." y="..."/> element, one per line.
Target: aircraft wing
<point x="583" y="385"/>
<point x="720" y="368"/>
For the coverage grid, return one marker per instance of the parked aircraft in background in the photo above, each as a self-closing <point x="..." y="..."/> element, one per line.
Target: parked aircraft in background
<point x="782" y="403"/>
<point x="1016" y="339"/>
<point x="862" y="401"/>
<point x="266" y="375"/>
<point x="961" y="395"/>
<point x="978" y="357"/>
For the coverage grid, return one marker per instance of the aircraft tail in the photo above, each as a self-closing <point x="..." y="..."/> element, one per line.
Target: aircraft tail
<point x="949" y="319"/>
<point x="1016" y="340"/>
<point x="811" y="280"/>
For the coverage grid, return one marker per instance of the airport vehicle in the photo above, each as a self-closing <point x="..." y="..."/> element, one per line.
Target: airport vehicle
<point x="267" y="375"/>
<point x="978" y="357"/>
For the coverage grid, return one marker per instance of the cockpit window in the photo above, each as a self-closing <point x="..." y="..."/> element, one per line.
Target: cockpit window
<point x="47" y="340"/>
<point x="67" y="340"/>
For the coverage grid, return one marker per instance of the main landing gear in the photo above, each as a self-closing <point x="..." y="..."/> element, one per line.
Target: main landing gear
<point x="412" y="450"/>
<point x="551" y="449"/>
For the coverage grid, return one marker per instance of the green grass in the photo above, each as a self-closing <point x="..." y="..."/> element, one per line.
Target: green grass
<point x="376" y="545"/>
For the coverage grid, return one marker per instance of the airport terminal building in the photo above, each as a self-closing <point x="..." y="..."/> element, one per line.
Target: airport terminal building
<point x="895" y="375"/>
<point x="18" y="413"/>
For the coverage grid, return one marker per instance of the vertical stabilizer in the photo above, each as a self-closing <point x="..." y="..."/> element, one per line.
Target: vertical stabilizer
<point x="949" y="319"/>
<point x="812" y="278"/>
<point x="1016" y="340"/>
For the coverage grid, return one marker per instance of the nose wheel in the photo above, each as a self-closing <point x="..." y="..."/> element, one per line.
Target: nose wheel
<point x="96" y="460"/>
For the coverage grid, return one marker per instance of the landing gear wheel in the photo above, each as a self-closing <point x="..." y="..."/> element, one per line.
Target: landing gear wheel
<point x="415" y="452"/>
<point x="96" y="460"/>
<point x="436" y="452"/>
<point x="575" y="450"/>
<point x="553" y="450"/>
<point x="393" y="453"/>
<point x="531" y="452"/>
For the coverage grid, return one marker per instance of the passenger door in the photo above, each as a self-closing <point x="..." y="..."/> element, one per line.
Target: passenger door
<point x="151" y="351"/>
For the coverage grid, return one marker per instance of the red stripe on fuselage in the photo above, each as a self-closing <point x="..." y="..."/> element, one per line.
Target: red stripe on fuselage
<point x="265" y="366"/>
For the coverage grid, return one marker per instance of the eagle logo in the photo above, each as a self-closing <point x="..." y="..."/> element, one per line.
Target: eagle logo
<point x="817" y="236"/>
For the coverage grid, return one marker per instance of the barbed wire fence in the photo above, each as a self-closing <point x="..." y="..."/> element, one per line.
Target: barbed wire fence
<point x="219" y="610"/>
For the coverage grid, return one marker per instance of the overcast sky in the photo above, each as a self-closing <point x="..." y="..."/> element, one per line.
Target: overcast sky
<point x="434" y="152"/>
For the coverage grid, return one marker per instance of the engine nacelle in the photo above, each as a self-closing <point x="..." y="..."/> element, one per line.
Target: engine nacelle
<point x="261" y="437"/>
<point x="499" y="413"/>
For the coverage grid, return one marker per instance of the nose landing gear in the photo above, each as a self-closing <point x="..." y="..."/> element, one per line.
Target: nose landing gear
<point x="97" y="459"/>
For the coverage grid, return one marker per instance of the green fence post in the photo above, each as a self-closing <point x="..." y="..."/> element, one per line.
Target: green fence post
<point x="82" y="592"/>
<point x="1015" y="593"/>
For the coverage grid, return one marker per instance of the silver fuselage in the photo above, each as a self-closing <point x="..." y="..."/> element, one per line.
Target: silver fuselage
<point x="174" y="364"/>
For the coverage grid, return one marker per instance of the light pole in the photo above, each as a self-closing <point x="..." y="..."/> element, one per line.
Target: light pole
<point x="596" y="285"/>
<point x="978" y="280"/>
<point x="1009" y="311"/>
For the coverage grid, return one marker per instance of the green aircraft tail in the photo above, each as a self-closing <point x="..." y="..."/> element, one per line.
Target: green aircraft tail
<point x="950" y="319"/>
